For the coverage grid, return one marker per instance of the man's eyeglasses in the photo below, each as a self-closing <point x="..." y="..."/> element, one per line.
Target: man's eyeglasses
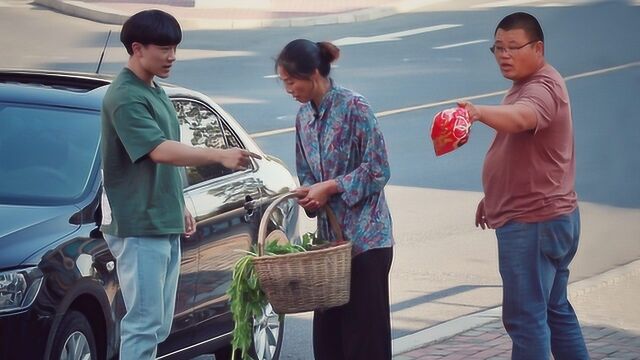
<point x="495" y="49"/>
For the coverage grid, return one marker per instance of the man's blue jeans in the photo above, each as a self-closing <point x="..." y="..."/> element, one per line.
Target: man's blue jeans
<point x="148" y="270"/>
<point x="534" y="260"/>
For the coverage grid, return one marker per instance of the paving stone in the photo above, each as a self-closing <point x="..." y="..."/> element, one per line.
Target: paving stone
<point x="490" y="343"/>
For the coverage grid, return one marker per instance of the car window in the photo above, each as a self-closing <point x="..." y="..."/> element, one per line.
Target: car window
<point x="202" y="127"/>
<point x="232" y="140"/>
<point x="46" y="153"/>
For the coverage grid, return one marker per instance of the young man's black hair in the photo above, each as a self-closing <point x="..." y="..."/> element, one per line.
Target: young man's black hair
<point x="150" y="27"/>
<point x="524" y="21"/>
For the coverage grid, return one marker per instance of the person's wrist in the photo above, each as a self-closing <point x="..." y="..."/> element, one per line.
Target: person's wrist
<point x="219" y="155"/>
<point x="332" y="187"/>
<point x="478" y="116"/>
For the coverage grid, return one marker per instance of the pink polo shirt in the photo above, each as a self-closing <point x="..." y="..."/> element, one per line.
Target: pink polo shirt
<point x="530" y="176"/>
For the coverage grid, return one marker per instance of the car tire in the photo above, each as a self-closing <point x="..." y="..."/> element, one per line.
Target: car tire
<point x="74" y="339"/>
<point x="268" y="331"/>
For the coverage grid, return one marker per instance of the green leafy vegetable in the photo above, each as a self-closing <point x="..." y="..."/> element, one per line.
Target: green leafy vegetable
<point x="247" y="301"/>
<point x="246" y="297"/>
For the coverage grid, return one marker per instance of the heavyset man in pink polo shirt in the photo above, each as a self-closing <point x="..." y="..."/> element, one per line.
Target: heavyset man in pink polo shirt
<point x="528" y="179"/>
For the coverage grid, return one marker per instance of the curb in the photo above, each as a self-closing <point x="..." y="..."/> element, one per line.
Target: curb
<point x="110" y="16"/>
<point x="444" y="331"/>
<point x="608" y="278"/>
<point x="454" y="327"/>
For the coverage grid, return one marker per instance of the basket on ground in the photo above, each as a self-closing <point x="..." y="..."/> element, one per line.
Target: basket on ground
<point x="305" y="281"/>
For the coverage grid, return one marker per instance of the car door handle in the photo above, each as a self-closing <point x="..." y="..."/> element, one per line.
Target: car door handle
<point x="251" y="206"/>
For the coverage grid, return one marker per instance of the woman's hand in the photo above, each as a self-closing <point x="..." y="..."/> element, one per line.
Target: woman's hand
<point x="301" y="192"/>
<point x="316" y="196"/>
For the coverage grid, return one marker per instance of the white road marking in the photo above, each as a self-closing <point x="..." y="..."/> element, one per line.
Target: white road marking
<point x="460" y="44"/>
<point x="225" y="100"/>
<point x="237" y="4"/>
<point x="454" y="101"/>
<point x="196" y="54"/>
<point x="395" y="36"/>
<point x="119" y="54"/>
<point x="439" y="103"/>
<point x="534" y="3"/>
<point x="602" y="71"/>
<point x="555" y="5"/>
<point x="272" y="132"/>
<point x="362" y="40"/>
<point x="275" y="76"/>
<point x="422" y="30"/>
<point x="503" y="3"/>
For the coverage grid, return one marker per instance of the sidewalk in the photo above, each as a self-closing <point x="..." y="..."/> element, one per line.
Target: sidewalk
<point x="607" y="306"/>
<point x="240" y="14"/>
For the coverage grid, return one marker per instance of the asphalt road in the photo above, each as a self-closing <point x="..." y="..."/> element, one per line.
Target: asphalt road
<point x="443" y="266"/>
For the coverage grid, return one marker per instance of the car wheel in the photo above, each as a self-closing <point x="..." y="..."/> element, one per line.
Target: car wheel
<point x="267" y="335"/>
<point x="74" y="339"/>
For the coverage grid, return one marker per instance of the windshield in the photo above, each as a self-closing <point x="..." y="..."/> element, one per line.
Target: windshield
<point x="46" y="153"/>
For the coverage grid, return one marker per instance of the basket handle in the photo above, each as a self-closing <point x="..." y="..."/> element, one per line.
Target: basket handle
<point x="333" y="222"/>
<point x="262" y="230"/>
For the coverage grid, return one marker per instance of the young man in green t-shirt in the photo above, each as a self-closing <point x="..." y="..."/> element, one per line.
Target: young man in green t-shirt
<point x="143" y="204"/>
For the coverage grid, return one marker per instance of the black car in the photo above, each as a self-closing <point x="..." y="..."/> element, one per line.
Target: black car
<point x="59" y="293"/>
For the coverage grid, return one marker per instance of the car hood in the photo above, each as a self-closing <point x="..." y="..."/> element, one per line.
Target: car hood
<point x="26" y="229"/>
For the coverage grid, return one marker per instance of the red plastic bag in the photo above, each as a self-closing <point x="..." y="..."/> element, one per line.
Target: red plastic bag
<point x="450" y="130"/>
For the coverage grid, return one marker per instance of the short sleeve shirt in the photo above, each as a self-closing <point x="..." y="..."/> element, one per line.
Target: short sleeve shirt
<point x="530" y="176"/>
<point x="141" y="197"/>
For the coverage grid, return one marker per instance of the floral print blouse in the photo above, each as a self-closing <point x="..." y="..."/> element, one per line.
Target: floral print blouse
<point x="341" y="140"/>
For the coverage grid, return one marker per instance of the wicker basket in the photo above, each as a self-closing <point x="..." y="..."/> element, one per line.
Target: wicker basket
<point x="305" y="281"/>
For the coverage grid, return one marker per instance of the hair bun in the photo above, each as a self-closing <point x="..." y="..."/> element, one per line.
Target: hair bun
<point x="328" y="51"/>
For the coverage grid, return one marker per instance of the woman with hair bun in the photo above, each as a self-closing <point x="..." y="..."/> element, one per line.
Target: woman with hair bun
<point x="341" y="161"/>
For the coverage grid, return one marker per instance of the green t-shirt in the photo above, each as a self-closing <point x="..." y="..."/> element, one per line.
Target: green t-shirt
<point x="142" y="197"/>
